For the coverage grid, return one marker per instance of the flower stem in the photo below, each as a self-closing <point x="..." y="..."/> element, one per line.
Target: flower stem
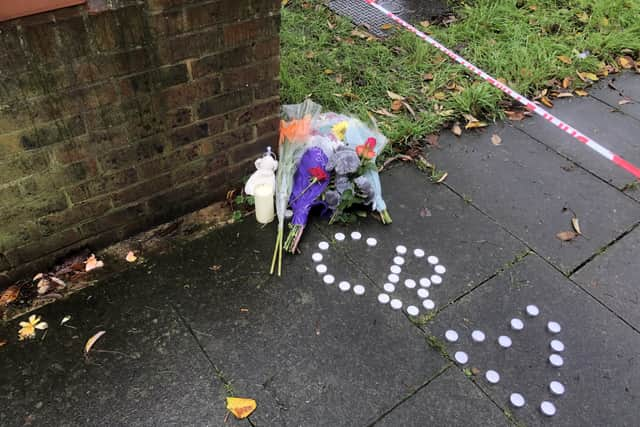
<point x="313" y="181"/>
<point x="275" y="252"/>
<point x="385" y="217"/>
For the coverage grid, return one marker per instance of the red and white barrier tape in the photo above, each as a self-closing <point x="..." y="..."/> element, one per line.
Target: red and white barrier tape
<point x="531" y="106"/>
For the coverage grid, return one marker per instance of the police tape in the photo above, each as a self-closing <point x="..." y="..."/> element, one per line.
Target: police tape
<point x="530" y="105"/>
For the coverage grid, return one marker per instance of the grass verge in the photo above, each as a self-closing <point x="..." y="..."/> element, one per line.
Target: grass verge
<point x="540" y="48"/>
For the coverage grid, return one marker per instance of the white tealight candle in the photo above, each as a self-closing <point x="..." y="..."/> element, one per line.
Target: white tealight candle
<point x="263" y="198"/>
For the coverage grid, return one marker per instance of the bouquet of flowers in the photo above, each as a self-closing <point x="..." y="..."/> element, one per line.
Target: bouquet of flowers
<point x="326" y="160"/>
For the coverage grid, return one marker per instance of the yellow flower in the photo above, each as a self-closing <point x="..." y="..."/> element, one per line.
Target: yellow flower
<point x="28" y="329"/>
<point x="340" y="130"/>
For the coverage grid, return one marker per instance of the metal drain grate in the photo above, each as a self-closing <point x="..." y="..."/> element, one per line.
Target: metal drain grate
<point x="361" y="13"/>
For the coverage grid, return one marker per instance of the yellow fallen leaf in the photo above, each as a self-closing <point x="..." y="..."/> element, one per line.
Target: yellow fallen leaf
<point x="386" y="26"/>
<point x="92" y="263"/>
<point x="588" y="76"/>
<point x="475" y="125"/>
<point x="496" y="140"/>
<point x="241" y="407"/>
<point x="566" y="82"/>
<point x="626" y="62"/>
<point x="328" y="71"/>
<point x="565" y="59"/>
<point x="456" y="129"/>
<point x="564" y="95"/>
<point x="576" y="225"/>
<point x="581" y="92"/>
<point x="131" y="257"/>
<point x="515" y="116"/>
<point x="91" y="341"/>
<point x="546" y="101"/>
<point x="9" y="295"/>
<point x="425" y="24"/>
<point x="566" y="236"/>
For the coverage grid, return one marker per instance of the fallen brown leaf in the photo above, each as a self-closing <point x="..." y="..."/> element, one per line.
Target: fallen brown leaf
<point x="427" y="77"/>
<point x="432" y="139"/>
<point x="383" y="112"/>
<point x="457" y="131"/>
<point x="9" y="295"/>
<point x="564" y="95"/>
<point x="476" y="124"/>
<point x="576" y="225"/>
<point x="92" y="263"/>
<point x="241" y="407"/>
<point x="495" y="139"/>
<point x="566" y="82"/>
<point x="546" y="101"/>
<point x="585" y="76"/>
<point x="626" y="62"/>
<point x="131" y="257"/>
<point x="91" y="341"/>
<point x="215" y="267"/>
<point x="567" y="236"/>
<point x="2" y="342"/>
<point x="515" y="116"/>
<point x="386" y="26"/>
<point x="396" y="105"/>
<point x="581" y="92"/>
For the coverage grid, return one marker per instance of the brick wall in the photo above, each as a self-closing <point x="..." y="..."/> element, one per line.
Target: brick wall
<point x="121" y="114"/>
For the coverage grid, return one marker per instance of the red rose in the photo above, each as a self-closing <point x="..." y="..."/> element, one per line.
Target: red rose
<point x="318" y="173"/>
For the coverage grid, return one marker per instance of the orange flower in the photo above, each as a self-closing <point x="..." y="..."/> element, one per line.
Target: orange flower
<point x="366" y="150"/>
<point x="295" y="130"/>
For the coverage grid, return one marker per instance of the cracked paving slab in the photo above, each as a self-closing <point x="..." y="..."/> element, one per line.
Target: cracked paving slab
<point x="600" y="371"/>
<point x="145" y="367"/>
<point x="533" y="192"/>
<point x="612" y="277"/>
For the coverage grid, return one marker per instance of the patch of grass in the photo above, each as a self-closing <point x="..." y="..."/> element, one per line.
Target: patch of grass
<point x="515" y="40"/>
<point x="438" y="345"/>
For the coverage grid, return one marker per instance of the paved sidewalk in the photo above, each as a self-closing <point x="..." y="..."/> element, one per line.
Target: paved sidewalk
<point x="180" y="336"/>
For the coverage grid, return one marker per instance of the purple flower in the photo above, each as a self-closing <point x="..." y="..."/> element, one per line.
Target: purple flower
<point x="344" y="161"/>
<point x="343" y="184"/>
<point x="332" y="199"/>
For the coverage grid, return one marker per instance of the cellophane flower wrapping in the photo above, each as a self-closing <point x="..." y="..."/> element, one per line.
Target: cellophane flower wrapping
<point x="304" y="196"/>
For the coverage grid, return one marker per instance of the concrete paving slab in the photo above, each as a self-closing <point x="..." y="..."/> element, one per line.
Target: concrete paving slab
<point x="614" y="130"/>
<point x="600" y="371"/>
<point x="533" y="191"/>
<point x="621" y="87"/>
<point x="432" y="218"/>
<point x="449" y="400"/>
<point x="322" y="356"/>
<point x="614" y="278"/>
<point x="146" y="370"/>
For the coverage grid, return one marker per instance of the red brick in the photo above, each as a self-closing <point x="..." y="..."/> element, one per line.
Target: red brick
<point x="267" y="49"/>
<point x="168" y="23"/>
<point x="191" y="92"/>
<point x="229" y="59"/>
<point x="243" y="32"/>
<point x="252" y="149"/>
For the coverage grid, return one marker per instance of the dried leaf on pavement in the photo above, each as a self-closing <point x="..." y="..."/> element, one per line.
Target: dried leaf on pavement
<point x="91" y="341"/>
<point x="241" y="407"/>
<point x="3" y="342"/>
<point x="581" y="92"/>
<point x="457" y="131"/>
<point x="92" y="263"/>
<point x="495" y="139"/>
<point x="567" y="236"/>
<point x="476" y="124"/>
<point x="515" y="116"/>
<point x="442" y="178"/>
<point x="546" y="101"/>
<point x="432" y="139"/>
<point x="131" y="257"/>
<point x="566" y="82"/>
<point x="9" y="295"/>
<point x="585" y="76"/>
<point x="626" y="62"/>
<point x="625" y="101"/>
<point x="576" y="225"/>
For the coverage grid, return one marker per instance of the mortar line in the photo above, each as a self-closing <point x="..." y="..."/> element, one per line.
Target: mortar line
<point x="409" y="396"/>
<point x="566" y="275"/>
<point x="575" y="162"/>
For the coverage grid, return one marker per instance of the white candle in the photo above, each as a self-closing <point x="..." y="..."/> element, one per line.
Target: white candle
<point x="263" y="196"/>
